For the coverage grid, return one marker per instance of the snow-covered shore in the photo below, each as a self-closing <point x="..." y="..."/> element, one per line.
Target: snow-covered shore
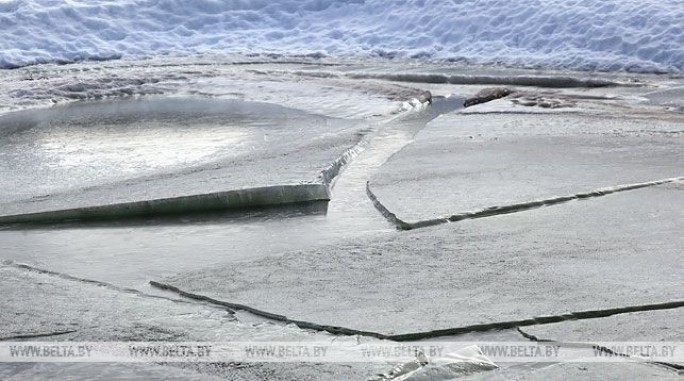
<point x="611" y="35"/>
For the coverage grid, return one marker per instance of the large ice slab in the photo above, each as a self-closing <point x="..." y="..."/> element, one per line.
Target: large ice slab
<point x="466" y="163"/>
<point x="616" y="251"/>
<point x="102" y="153"/>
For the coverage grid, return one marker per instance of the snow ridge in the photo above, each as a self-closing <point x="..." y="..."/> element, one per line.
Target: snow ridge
<point x="609" y="35"/>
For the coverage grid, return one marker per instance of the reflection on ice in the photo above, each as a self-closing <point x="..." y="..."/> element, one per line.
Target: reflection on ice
<point x="109" y="151"/>
<point x="88" y="144"/>
<point x="229" y="237"/>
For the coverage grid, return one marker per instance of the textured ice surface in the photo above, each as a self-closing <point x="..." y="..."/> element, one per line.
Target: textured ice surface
<point x="620" y="250"/>
<point x="36" y="303"/>
<point x="607" y="35"/>
<point x="643" y="326"/>
<point x="464" y="163"/>
<point x="583" y="371"/>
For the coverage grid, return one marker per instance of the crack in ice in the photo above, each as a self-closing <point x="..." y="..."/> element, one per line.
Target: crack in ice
<point x="508" y="209"/>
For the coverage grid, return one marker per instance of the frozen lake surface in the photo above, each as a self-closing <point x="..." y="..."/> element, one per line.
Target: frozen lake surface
<point x="164" y="128"/>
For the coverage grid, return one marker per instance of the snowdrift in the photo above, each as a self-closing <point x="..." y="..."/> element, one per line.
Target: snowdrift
<point x="612" y="35"/>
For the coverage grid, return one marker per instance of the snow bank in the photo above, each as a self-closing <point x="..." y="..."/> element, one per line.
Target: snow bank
<point x="643" y="36"/>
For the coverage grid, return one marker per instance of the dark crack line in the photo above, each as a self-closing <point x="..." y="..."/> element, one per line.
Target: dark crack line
<point x="532" y="337"/>
<point x="592" y="314"/>
<point x="597" y="347"/>
<point x="241" y="307"/>
<point x="508" y="209"/>
<point x="36" y="335"/>
<point x="389" y="216"/>
<point x="89" y="281"/>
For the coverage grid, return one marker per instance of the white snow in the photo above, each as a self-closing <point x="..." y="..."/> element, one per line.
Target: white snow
<point x="614" y="35"/>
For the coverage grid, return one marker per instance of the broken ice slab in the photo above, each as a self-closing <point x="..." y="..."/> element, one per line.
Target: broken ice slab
<point x="469" y="163"/>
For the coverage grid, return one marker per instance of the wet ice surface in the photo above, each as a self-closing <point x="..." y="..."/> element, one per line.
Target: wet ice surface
<point x="136" y="259"/>
<point x="342" y="262"/>
<point x="98" y="142"/>
<point x="109" y="152"/>
<point x="128" y="253"/>
<point x="270" y="151"/>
